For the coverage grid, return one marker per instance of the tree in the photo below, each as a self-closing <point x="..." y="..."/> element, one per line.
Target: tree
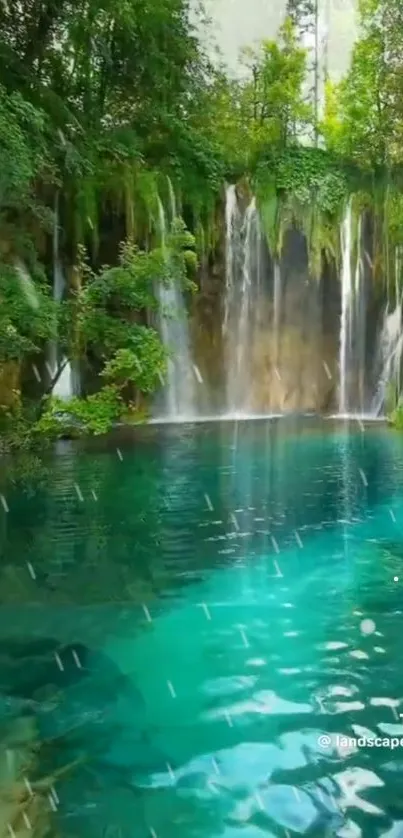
<point x="97" y="102"/>
<point x="271" y="101"/>
<point x="364" y="113"/>
<point x="107" y="324"/>
<point x="304" y="15"/>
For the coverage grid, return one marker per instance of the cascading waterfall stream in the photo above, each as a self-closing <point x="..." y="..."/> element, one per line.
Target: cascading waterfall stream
<point x="390" y="347"/>
<point x="360" y="320"/>
<point x="241" y="305"/>
<point x="179" y="394"/>
<point x="390" y="354"/>
<point x="263" y="307"/>
<point x="64" y="386"/>
<point x="245" y="336"/>
<point x="346" y="311"/>
<point x="232" y="243"/>
<point x="172" y="200"/>
<point x="277" y="309"/>
<point x="352" y="357"/>
<point x="233" y="224"/>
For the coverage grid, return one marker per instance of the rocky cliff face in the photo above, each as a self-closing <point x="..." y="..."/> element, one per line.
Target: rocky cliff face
<point x="293" y="366"/>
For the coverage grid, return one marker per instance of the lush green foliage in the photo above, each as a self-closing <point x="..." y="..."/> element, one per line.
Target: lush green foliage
<point x="105" y="326"/>
<point x="98" y="102"/>
<point x="111" y="111"/>
<point x="364" y="112"/>
<point x="23" y="149"/>
<point x="94" y="414"/>
<point x="396" y="417"/>
<point x="27" y="312"/>
<point x="272" y="105"/>
<point x="307" y="188"/>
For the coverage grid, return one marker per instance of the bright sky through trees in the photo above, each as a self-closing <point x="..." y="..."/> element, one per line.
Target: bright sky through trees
<point x="239" y="23"/>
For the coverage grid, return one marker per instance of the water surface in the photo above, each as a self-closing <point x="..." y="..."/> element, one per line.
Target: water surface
<point x="189" y="608"/>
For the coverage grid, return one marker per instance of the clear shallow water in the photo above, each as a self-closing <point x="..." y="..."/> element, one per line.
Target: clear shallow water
<point x="194" y="597"/>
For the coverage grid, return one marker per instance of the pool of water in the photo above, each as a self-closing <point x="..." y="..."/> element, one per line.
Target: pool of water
<point x="198" y="615"/>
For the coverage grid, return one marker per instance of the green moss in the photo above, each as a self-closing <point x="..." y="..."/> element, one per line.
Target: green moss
<point x="304" y="188"/>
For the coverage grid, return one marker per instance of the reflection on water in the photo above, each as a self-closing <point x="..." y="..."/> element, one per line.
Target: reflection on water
<point x="184" y="614"/>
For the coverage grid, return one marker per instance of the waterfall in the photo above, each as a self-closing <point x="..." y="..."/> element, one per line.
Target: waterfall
<point x="179" y="395"/>
<point x="390" y="353"/>
<point x="352" y="357"/>
<point x="233" y="222"/>
<point x="172" y="200"/>
<point x="277" y="309"/>
<point x="346" y="311"/>
<point x="239" y="395"/>
<point x="242" y="289"/>
<point x="232" y="243"/>
<point x="64" y="387"/>
<point x="360" y="316"/>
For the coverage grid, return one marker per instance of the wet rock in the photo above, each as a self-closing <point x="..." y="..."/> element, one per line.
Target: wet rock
<point x="26" y="665"/>
<point x="67" y="685"/>
<point x="86" y="709"/>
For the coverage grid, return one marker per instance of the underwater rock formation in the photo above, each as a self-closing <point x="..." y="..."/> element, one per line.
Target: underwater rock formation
<point x="79" y="694"/>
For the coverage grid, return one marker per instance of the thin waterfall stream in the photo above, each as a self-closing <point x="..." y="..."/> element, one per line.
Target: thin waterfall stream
<point x="233" y="222"/>
<point x="277" y="309"/>
<point x="64" y="387"/>
<point x="241" y="303"/>
<point x="179" y="392"/>
<point x="346" y="311"/>
<point x="245" y="335"/>
<point x="390" y="355"/>
<point x="354" y="383"/>
<point x="232" y="243"/>
<point x="360" y="313"/>
<point x="390" y="347"/>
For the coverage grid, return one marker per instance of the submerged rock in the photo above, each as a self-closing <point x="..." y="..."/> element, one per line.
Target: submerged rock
<point x="27" y="667"/>
<point x="30" y="667"/>
<point x="47" y="675"/>
<point x="84" y="705"/>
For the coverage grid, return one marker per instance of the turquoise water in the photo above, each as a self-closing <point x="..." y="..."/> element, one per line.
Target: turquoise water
<point x="188" y="609"/>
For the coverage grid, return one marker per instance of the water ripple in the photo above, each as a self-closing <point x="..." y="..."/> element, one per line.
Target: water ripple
<point x="217" y="648"/>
